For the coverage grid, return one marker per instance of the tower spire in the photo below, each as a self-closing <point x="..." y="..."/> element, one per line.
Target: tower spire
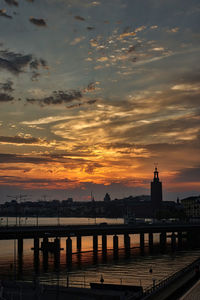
<point x="156" y="178"/>
<point x="156" y="190"/>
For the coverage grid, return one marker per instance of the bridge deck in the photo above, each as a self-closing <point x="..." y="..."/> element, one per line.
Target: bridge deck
<point x="27" y="232"/>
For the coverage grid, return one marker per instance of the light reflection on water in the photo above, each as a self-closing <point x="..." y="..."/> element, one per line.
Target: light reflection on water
<point x="86" y="268"/>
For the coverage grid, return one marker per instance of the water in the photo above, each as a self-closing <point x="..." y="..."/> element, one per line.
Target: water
<point x="86" y="268"/>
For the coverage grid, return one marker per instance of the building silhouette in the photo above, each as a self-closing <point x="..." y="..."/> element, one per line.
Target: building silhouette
<point x="156" y="192"/>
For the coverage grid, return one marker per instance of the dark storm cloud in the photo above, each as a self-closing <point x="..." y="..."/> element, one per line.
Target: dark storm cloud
<point x="92" y="101"/>
<point x="79" y="18"/>
<point x="4" y="14"/>
<point x="17" y="180"/>
<point x="188" y="175"/>
<point x="37" y="22"/>
<point x="7" y="86"/>
<point x="15" y="63"/>
<point x="19" y="140"/>
<point x="14" y="168"/>
<point x="90" y="28"/>
<point x="11" y="2"/>
<point x="57" y="97"/>
<point x="14" y="158"/>
<point x="36" y="63"/>
<point x="5" y="97"/>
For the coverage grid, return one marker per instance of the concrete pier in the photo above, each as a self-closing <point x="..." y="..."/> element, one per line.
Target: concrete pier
<point x="151" y="241"/>
<point x="45" y="260"/>
<point x="173" y="241"/>
<point x="142" y="241"/>
<point x="115" y="246"/>
<point x="180" y="240"/>
<point x="95" y="243"/>
<point x="163" y="241"/>
<point x="69" y="248"/>
<point x="36" y="245"/>
<point x="104" y="243"/>
<point x="20" y="246"/>
<point x="127" y="241"/>
<point x="57" y="254"/>
<point x="78" y="243"/>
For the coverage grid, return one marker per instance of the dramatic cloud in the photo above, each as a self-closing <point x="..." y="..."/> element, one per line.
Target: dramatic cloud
<point x="19" y="140"/>
<point x="37" y="22"/>
<point x="14" y="158"/>
<point x="11" y="2"/>
<point x="57" y="97"/>
<point x="4" y="14"/>
<point x="5" y="97"/>
<point x="7" y="86"/>
<point x="16" y="63"/>
<point x="120" y="91"/>
<point x="188" y="175"/>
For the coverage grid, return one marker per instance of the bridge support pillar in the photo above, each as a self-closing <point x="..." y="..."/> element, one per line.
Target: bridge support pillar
<point x="142" y="241"/>
<point x="20" y="246"/>
<point x="127" y="241"/>
<point x="163" y="239"/>
<point x="78" y="243"/>
<point x="115" y="245"/>
<point x="57" y="253"/>
<point x="151" y="241"/>
<point x="69" y="249"/>
<point x="36" y="245"/>
<point x="45" y="253"/>
<point x="45" y="241"/>
<point x="127" y="244"/>
<point x="173" y="241"/>
<point x="180" y="240"/>
<point x="57" y="244"/>
<point x="104" y="243"/>
<point x="95" y="243"/>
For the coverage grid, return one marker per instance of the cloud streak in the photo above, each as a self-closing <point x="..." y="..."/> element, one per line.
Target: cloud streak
<point x="57" y="97"/>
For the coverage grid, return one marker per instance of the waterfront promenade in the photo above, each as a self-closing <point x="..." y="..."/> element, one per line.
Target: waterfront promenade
<point x="175" y="285"/>
<point x="193" y="293"/>
<point x="170" y="288"/>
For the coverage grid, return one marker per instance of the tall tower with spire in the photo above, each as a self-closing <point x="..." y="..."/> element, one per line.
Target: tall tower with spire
<point x="156" y="191"/>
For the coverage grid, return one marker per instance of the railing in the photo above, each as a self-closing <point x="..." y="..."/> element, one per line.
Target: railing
<point x="166" y="281"/>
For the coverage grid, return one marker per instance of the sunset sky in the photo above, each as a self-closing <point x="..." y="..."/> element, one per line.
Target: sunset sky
<point x="93" y="94"/>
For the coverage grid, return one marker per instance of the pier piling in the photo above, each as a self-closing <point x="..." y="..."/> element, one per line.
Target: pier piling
<point x="151" y="242"/>
<point x="20" y="246"/>
<point x="78" y="243"/>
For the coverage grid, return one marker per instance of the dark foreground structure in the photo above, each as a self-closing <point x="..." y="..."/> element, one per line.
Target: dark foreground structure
<point x="175" y="231"/>
<point x="170" y="288"/>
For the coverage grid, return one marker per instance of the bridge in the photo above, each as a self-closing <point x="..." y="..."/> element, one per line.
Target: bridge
<point x="176" y="231"/>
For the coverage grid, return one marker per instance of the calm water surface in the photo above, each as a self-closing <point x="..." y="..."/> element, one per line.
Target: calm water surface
<point x="86" y="268"/>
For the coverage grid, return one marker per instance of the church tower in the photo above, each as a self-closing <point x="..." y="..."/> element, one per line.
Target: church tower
<point x="156" y="191"/>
